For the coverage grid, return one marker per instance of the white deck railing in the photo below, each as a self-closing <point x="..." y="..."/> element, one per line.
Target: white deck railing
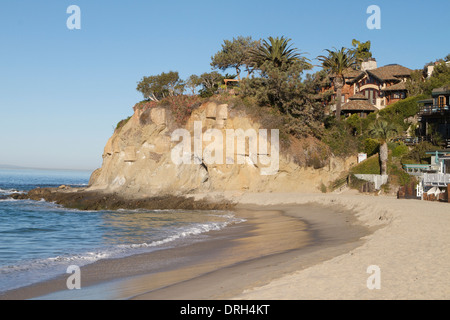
<point x="436" y="179"/>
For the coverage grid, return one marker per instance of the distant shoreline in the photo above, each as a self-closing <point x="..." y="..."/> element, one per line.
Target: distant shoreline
<point x="14" y="167"/>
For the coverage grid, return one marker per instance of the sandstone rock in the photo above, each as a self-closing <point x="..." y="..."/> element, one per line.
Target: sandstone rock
<point x="162" y="144"/>
<point x="158" y="116"/>
<point x="211" y="109"/>
<point x="147" y="144"/>
<point x="220" y="123"/>
<point x="94" y="176"/>
<point x="108" y="148"/>
<point x="130" y="154"/>
<point x="222" y="111"/>
<point x="116" y="146"/>
<point x="136" y="116"/>
<point x="145" y="117"/>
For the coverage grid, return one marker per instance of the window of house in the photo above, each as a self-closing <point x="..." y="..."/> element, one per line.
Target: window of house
<point x="441" y="101"/>
<point x="371" y="96"/>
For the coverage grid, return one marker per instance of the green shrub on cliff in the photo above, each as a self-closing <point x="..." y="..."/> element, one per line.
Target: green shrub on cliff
<point x="398" y="112"/>
<point x="371" y="146"/>
<point x="339" y="138"/>
<point x="399" y="150"/>
<point x="369" y="166"/>
<point x="121" y="123"/>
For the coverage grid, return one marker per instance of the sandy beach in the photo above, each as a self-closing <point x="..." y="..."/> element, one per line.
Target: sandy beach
<point x="292" y="246"/>
<point x="410" y="245"/>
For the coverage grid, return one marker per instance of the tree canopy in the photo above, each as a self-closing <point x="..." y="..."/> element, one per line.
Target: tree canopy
<point x="235" y="54"/>
<point x="160" y="86"/>
<point x="417" y="84"/>
<point x="335" y="64"/>
<point x="337" y="61"/>
<point x="361" y="51"/>
<point x="279" y="52"/>
<point x="284" y="89"/>
<point x="193" y="82"/>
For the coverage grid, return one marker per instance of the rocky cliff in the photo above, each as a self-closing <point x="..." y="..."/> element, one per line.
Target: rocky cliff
<point x="152" y="155"/>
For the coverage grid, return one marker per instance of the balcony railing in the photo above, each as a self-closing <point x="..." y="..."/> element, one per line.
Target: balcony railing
<point x="436" y="179"/>
<point x="420" y="169"/>
<point x="435" y="109"/>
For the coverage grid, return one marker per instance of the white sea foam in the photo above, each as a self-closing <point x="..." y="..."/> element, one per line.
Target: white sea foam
<point x="121" y="250"/>
<point x="9" y="191"/>
<point x="32" y="271"/>
<point x="181" y="233"/>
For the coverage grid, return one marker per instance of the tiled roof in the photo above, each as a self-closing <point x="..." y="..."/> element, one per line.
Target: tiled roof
<point x="395" y="87"/>
<point x="349" y="74"/>
<point x="358" y="102"/>
<point x="390" y="72"/>
<point x="442" y="90"/>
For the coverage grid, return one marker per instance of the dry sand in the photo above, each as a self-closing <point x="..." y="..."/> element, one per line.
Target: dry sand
<point x="411" y="247"/>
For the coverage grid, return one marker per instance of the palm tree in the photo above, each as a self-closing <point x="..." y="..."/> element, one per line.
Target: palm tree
<point x="336" y="63"/>
<point x="384" y="131"/>
<point x="278" y="51"/>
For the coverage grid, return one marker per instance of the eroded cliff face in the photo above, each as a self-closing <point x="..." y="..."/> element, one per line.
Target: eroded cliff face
<point x="151" y="155"/>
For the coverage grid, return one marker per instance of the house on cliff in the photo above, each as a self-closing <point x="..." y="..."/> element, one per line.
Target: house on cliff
<point x="358" y="104"/>
<point x="434" y="115"/>
<point x="381" y="86"/>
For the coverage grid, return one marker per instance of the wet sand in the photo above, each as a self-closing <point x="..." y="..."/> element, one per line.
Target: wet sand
<point x="275" y="240"/>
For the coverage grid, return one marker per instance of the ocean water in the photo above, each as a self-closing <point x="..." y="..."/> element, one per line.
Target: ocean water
<point x="40" y="240"/>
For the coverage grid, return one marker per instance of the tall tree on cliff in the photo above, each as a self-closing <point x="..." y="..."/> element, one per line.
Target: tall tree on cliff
<point x="210" y="82"/>
<point x="279" y="53"/>
<point x="279" y="86"/>
<point x="384" y="131"/>
<point x="193" y="82"/>
<point x="335" y="64"/>
<point x="361" y="51"/>
<point x="235" y="54"/>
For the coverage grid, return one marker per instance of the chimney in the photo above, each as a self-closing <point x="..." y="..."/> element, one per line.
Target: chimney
<point x="369" y="64"/>
<point x="430" y="70"/>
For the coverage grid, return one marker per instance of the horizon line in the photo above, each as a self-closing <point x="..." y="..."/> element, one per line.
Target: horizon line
<point x="11" y="166"/>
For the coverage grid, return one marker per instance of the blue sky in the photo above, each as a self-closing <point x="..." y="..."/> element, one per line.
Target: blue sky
<point x="62" y="91"/>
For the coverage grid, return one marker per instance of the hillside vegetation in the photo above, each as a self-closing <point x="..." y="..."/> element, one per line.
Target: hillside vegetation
<point x="276" y="89"/>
